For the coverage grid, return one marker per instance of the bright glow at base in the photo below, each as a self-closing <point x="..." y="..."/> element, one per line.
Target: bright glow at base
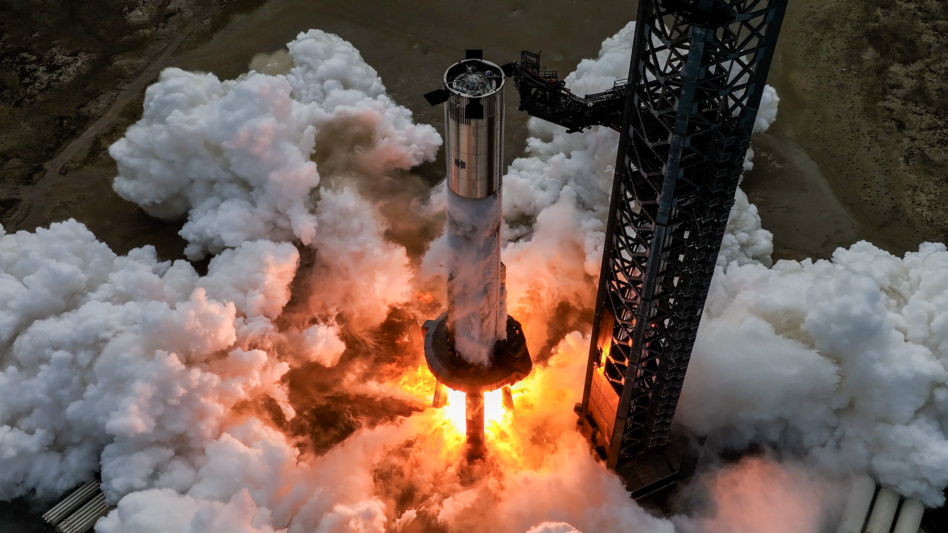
<point x="456" y="408"/>
<point x="493" y="407"/>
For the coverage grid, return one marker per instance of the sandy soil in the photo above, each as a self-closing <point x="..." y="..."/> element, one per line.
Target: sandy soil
<point x="72" y="78"/>
<point x="857" y="151"/>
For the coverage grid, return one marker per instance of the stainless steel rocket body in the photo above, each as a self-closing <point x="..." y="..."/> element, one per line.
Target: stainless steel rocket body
<point x="474" y="146"/>
<point x="474" y="124"/>
<point x="474" y="347"/>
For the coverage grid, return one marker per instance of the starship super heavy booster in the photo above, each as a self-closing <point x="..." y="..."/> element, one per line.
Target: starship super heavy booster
<point x="475" y="346"/>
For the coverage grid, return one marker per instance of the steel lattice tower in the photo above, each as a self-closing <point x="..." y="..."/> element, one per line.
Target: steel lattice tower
<point x="695" y="83"/>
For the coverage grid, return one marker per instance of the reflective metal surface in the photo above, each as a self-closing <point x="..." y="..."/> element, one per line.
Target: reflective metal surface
<point x="474" y="132"/>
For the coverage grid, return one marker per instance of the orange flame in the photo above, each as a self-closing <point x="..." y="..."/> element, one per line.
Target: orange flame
<point x="425" y="297"/>
<point x="534" y="436"/>
<point x="419" y="383"/>
<point x="454" y="410"/>
<point x="493" y="408"/>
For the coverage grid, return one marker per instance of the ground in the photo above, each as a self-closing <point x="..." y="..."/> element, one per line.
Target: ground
<point x="859" y="147"/>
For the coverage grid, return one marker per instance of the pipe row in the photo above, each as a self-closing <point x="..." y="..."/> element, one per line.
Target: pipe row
<point x="867" y="511"/>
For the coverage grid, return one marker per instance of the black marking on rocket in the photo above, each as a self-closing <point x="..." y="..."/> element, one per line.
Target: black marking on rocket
<point x="437" y="96"/>
<point x="474" y="111"/>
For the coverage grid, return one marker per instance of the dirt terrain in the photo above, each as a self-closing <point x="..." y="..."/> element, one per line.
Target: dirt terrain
<point x="860" y="146"/>
<point x="72" y="78"/>
<point x="56" y="123"/>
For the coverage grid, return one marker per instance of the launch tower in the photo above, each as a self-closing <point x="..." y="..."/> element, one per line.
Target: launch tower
<point x="688" y="109"/>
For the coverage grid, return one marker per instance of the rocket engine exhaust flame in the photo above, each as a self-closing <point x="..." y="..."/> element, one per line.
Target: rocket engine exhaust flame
<point x="477" y="415"/>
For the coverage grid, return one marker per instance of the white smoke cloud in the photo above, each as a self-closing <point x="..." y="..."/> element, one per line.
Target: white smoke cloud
<point x="234" y="156"/>
<point x="252" y="479"/>
<point x="761" y="495"/>
<point x="127" y="364"/>
<point x="745" y="241"/>
<point x="358" y="271"/>
<point x="143" y="369"/>
<point x="269" y="156"/>
<point x="843" y="360"/>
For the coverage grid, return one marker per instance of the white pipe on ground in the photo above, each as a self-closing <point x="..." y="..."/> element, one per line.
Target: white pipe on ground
<point x="910" y="516"/>
<point x="883" y="511"/>
<point x="857" y="505"/>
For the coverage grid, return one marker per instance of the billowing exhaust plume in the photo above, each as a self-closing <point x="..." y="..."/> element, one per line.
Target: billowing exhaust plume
<point x="281" y="157"/>
<point x="841" y="360"/>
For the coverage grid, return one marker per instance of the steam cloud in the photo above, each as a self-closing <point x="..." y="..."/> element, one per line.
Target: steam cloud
<point x="154" y="375"/>
<point x="237" y="159"/>
<point x="843" y="360"/>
